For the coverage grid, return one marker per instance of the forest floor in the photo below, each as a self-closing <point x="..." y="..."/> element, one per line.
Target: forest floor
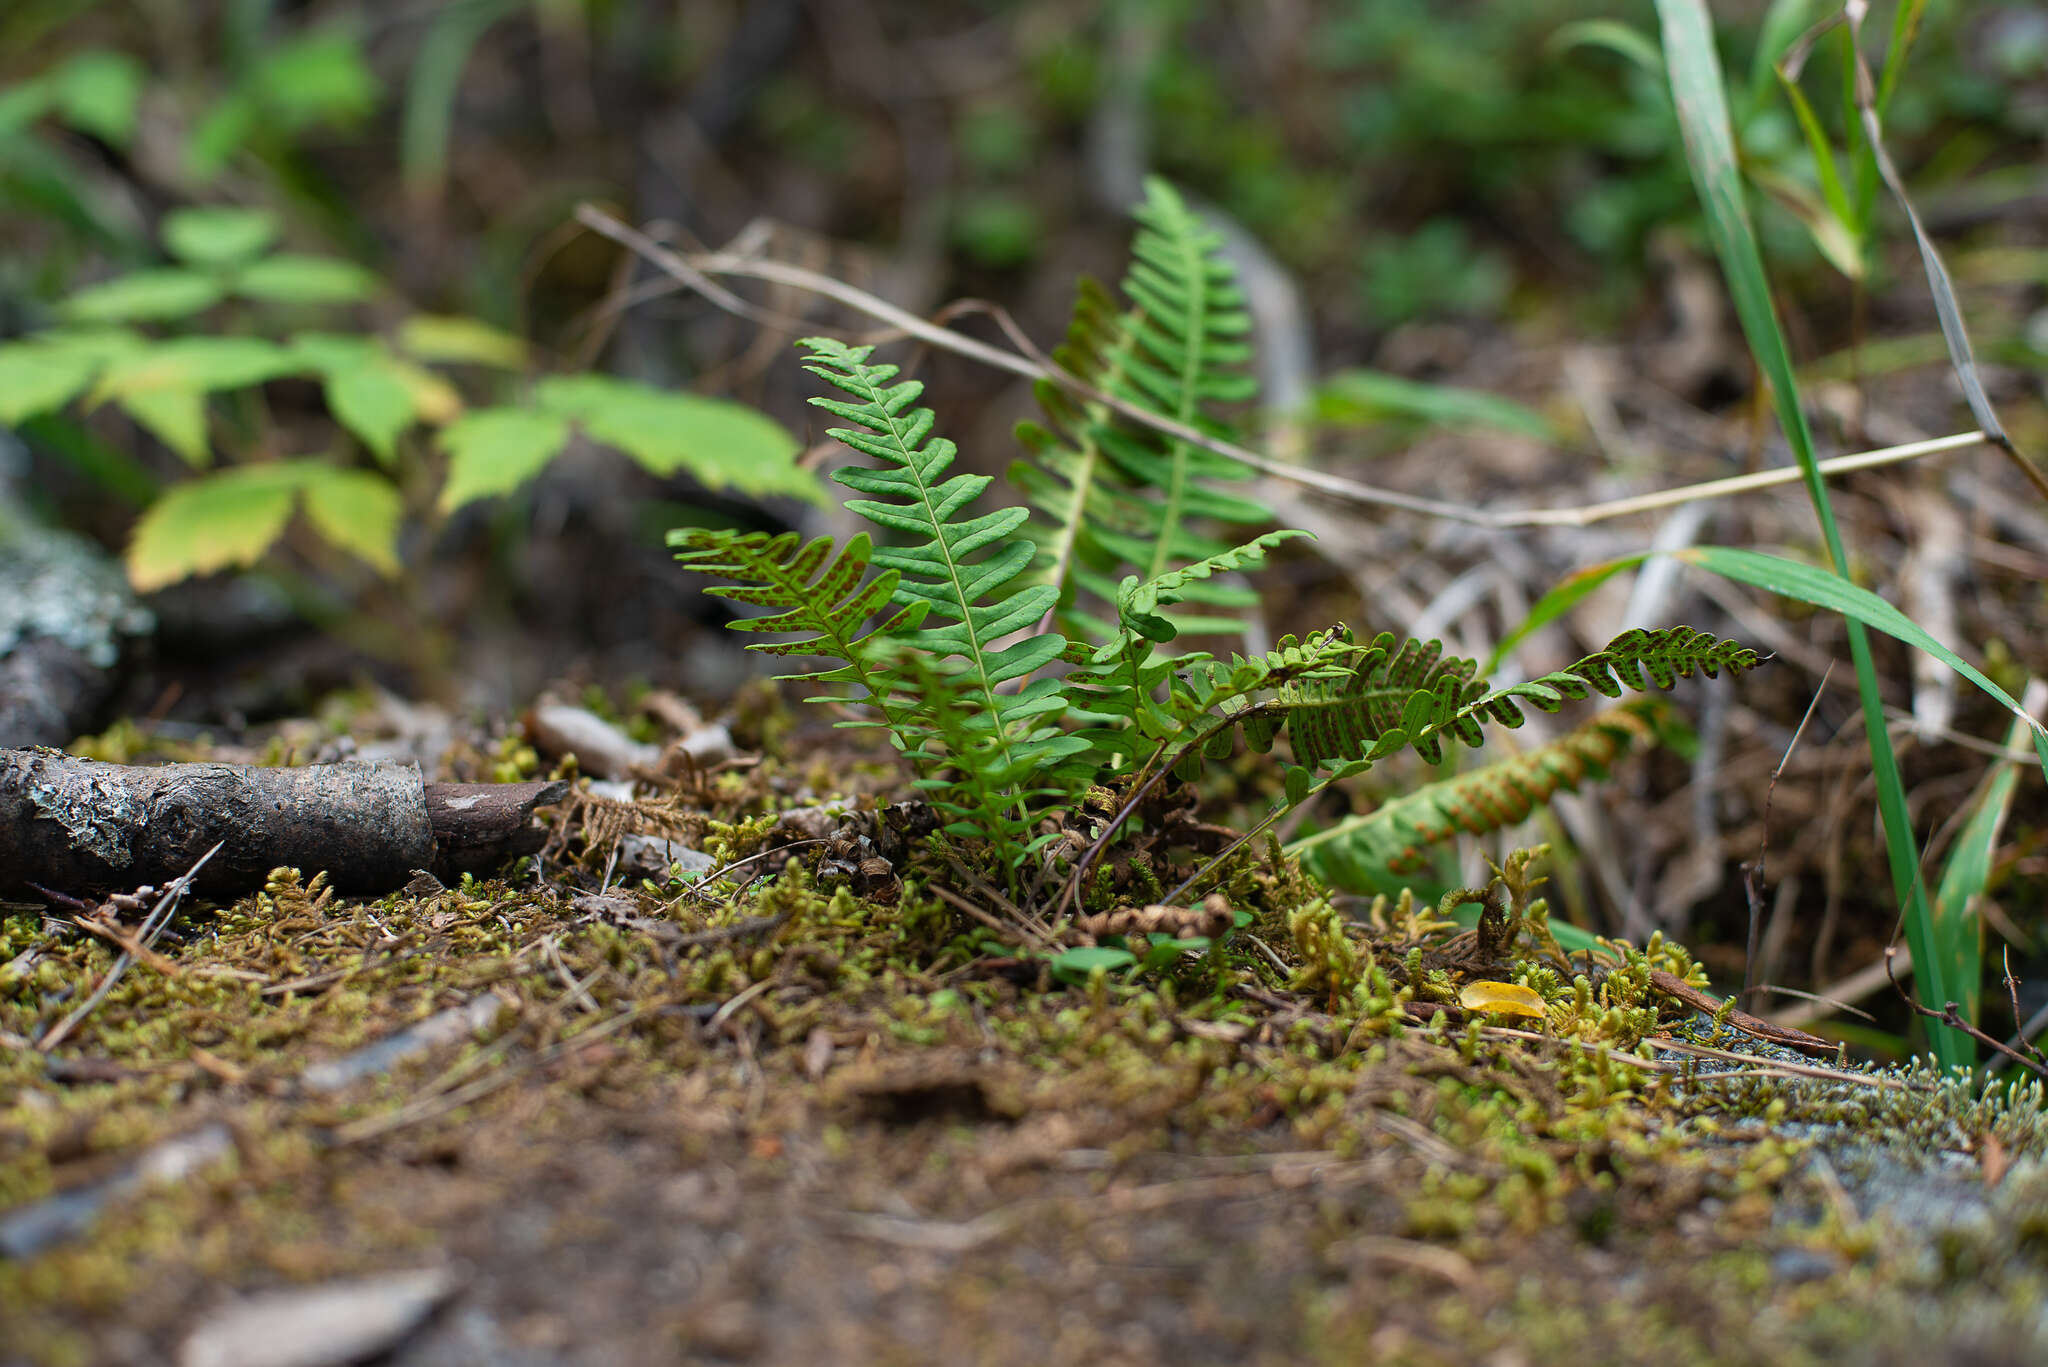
<point x="577" y="1119"/>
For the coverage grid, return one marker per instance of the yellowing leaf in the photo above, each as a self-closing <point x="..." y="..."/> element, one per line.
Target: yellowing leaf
<point x="212" y="523"/>
<point x="1502" y="999"/>
<point x="356" y="510"/>
<point x="233" y="518"/>
<point x="433" y="398"/>
<point x="460" y="341"/>
<point x="495" y="450"/>
<point x="197" y="364"/>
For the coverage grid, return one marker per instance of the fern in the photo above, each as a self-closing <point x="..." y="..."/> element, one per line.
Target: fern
<point x="1110" y="494"/>
<point x="1406" y="695"/>
<point x="943" y="631"/>
<point x="1391" y="839"/>
<point x="821" y="594"/>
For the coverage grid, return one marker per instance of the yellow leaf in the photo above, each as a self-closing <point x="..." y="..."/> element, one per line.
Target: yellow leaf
<point x="1502" y="999"/>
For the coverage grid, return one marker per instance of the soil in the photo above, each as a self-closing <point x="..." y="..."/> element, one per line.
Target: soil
<point x="781" y="1124"/>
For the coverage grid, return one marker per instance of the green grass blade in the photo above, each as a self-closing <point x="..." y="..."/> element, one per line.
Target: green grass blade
<point x="1958" y="931"/>
<point x="1697" y="91"/>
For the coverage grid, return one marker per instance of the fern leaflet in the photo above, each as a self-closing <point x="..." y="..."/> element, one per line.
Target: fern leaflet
<point x="820" y="593"/>
<point x="1356" y="852"/>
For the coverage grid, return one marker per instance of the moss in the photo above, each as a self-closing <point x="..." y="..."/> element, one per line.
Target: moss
<point x="872" y="1045"/>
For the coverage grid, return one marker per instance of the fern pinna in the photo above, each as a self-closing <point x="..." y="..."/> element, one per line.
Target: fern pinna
<point x="1359" y="852"/>
<point x="1109" y="493"/>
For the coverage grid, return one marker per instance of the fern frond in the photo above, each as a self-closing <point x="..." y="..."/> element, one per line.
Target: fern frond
<point x="1110" y="493"/>
<point x="820" y="594"/>
<point x="1360" y="852"/>
<point x="909" y="495"/>
<point x="1406" y="695"/>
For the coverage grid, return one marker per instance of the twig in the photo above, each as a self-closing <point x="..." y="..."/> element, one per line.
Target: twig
<point x="1813" y="1070"/>
<point x="1753" y="876"/>
<point x="946" y="894"/>
<point x="153" y="926"/>
<point x="1671" y="985"/>
<point x="695" y="270"/>
<point x="739" y="999"/>
<point x="697" y="885"/>
<point x="1951" y="1014"/>
<point x="427" y="1107"/>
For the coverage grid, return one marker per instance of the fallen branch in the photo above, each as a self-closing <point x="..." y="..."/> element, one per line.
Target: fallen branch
<point x="77" y="824"/>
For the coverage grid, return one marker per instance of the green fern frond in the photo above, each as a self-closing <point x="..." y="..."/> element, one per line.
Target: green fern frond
<point x="938" y="567"/>
<point x="1407" y="695"/>
<point x="820" y="594"/>
<point x="1331" y="721"/>
<point x="980" y="744"/>
<point x="1110" y="493"/>
<point x="1359" y="852"/>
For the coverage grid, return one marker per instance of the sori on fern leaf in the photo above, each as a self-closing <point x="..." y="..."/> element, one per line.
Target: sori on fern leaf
<point x="961" y="633"/>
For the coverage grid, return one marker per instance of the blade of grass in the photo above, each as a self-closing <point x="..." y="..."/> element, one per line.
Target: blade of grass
<point x="1789" y="579"/>
<point x="1959" y="931"/>
<point x="1698" y="93"/>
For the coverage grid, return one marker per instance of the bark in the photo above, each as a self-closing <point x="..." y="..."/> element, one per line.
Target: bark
<point x="49" y="692"/>
<point x="79" y="825"/>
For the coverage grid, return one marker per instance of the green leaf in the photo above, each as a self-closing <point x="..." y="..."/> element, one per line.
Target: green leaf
<point x="1697" y="95"/>
<point x="356" y="510"/>
<point x="1570" y="591"/>
<point x="23" y="103"/>
<point x="197" y="364"/>
<point x="433" y="85"/>
<point x="143" y="295"/>
<point x="217" y="236"/>
<point x="1623" y="40"/>
<point x="1075" y="966"/>
<point x="212" y="523"/>
<point x="97" y="93"/>
<point x="374" y="403"/>
<point x="1958" y="927"/>
<point x="1816" y="586"/>
<point x="1369" y="396"/>
<point x="298" y="278"/>
<point x="460" y="341"/>
<point x="493" y="451"/>
<point x="177" y="418"/>
<point x="319" y="78"/>
<point x="219" y="135"/>
<point x="724" y="445"/>
<point x="36" y="377"/>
